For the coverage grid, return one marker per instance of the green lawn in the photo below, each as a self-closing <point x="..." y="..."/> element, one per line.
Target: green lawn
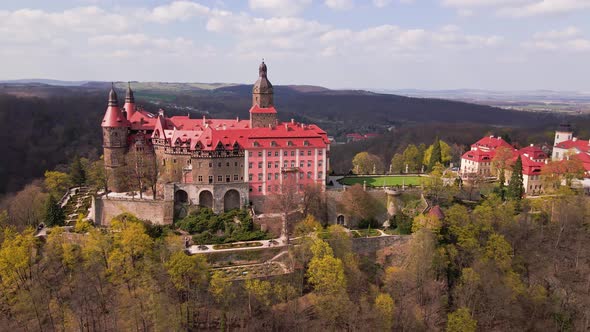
<point x="380" y="181"/>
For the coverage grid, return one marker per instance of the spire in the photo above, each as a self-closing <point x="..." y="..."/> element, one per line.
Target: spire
<point x="113" y="101"/>
<point x="262" y="69"/>
<point x="262" y="92"/>
<point x="129" y="98"/>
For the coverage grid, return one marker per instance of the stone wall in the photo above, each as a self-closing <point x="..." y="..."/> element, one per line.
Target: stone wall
<point x="335" y="207"/>
<point x="158" y="212"/>
<point x="373" y="244"/>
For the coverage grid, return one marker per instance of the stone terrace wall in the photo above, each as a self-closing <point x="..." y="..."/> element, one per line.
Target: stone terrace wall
<point x="158" y="212"/>
<point x="372" y="244"/>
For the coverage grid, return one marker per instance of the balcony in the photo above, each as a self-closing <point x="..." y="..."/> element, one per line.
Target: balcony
<point x="289" y="169"/>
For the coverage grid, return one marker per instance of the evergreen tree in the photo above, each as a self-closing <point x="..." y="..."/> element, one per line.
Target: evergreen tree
<point x="54" y="214"/>
<point x="436" y="155"/>
<point x="501" y="189"/>
<point x="515" y="188"/>
<point x="77" y="172"/>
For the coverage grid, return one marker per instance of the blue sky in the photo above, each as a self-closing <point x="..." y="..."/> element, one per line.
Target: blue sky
<point x="387" y="44"/>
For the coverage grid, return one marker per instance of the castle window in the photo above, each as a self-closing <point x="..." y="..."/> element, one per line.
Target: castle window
<point x="259" y="153"/>
<point x="305" y="143"/>
<point x="301" y="163"/>
<point x="227" y="164"/>
<point x="320" y="163"/>
<point x="227" y="178"/>
<point x="309" y="175"/>
<point x="200" y="178"/>
<point x="200" y="164"/>
<point x="188" y="161"/>
<point x="259" y="189"/>
<point x="255" y="144"/>
<point x="164" y="162"/>
<point x="293" y="153"/>
<point x="259" y="176"/>
<point x="301" y="175"/>
<point x="236" y="164"/>
<point x="289" y="143"/>
<point x="276" y="164"/>
<point x="210" y="165"/>
<point x="285" y="163"/>
<point x="236" y="177"/>
<point x="210" y="178"/>
<point x="218" y="164"/>
<point x="292" y="163"/>
<point x="250" y="154"/>
<point x="276" y="153"/>
<point x="249" y="165"/>
<point x="249" y="188"/>
<point x="285" y="153"/>
<point x="309" y="163"/>
<point x="260" y="164"/>
<point x="219" y="178"/>
<point x="269" y="164"/>
<point x="301" y="153"/>
<point x="273" y="143"/>
<point x="276" y="176"/>
<point x="320" y="174"/>
<point x="174" y="161"/>
<point x="309" y="152"/>
<point x="269" y="177"/>
<point x="269" y="153"/>
<point x="250" y="176"/>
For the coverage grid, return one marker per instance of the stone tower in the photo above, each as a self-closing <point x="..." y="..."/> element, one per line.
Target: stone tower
<point x="563" y="133"/>
<point x="129" y="103"/>
<point x="114" y="143"/>
<point x="263" y="113"/>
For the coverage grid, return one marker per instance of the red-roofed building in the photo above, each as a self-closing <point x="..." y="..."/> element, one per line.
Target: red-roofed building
<point x="478" y="160"/>
<point x="218" y="163"/>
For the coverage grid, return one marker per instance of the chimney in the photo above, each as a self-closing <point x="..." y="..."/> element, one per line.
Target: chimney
<point x="491" y="136"/>
<point x="574" y="139"/>
<point x="532" y="144"/>
<point x="224" y="127"/>
<point x="204" y="120"/>
<point x="160" y="112"/>
<point x="293" y="121"/>
<point x="237" y="119"/>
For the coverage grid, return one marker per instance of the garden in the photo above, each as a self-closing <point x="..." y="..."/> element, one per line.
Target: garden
<point x="210" y="228"/>
<point x="383" y="181"/>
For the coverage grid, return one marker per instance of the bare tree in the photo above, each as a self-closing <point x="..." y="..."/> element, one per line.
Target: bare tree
<point x="285" y="201"/>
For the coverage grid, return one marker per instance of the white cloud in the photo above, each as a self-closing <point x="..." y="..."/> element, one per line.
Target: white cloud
<point x="568" y="39"/>
<point x="280" y="7"/>
<point x="519" y="8"/>
<point x="175" y="11"/>
<point x="381" y="3"/>
<point x="340" y="4"/>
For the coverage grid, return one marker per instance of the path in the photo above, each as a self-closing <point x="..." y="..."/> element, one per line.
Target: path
<point x="194" y="249"/>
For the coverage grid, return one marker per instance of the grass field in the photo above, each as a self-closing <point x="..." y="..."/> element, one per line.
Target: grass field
<point x="380" y="181"/>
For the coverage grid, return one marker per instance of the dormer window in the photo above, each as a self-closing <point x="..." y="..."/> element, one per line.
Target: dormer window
<point x="289" y="143"/>
<point x="273" y="143"/>
<point x="256" y="144"/>
<point x="305" y="143"/>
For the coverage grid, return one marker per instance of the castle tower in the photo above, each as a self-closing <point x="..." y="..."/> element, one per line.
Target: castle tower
<point x="263" y="113"/>
<point x="114" y="143"/>
<point x="129" y="102"/>
<point x="563" y="133"/>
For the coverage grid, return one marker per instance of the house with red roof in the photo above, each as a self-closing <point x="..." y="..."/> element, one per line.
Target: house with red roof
<point x="217" y="163"/>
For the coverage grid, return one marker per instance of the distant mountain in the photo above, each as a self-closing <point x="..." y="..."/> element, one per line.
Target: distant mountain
<point x="45" y="81"/>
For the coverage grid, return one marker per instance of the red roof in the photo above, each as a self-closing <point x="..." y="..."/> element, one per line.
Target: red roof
<point x="491" y="143"/>
<point x="259" y="110"/>
<point x="478" y="156"/>
<point x="534" y="152"/>
<point x="579" y="144"/>
<point x="114" y="118"/>
<point x="436" y="211"/>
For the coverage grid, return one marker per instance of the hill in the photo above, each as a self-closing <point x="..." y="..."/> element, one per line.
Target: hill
<point x="45" y="125"/>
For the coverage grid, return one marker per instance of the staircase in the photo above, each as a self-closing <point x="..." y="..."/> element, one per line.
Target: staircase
<point x="78" y="202"/>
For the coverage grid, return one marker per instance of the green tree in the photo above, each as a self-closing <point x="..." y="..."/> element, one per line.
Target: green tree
<point x="397" y="164"/>
<point x="367" y="163"/>
<point x="258" y="290"/>
<point x="57" y="183"/>
<point x="461" y="321"/>
<point x="384" y="307"/>
<point x="435" y="154"/>
<point x="77" y="172"/>
<point x="54" y="214"/>
<point x="412" y="158"/>
<point x="446" y="153"/>
<point x="515" y="188"/>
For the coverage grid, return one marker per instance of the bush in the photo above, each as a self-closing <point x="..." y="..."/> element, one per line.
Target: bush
<point x="236" y="225"/>
<point x="366" y="223"/>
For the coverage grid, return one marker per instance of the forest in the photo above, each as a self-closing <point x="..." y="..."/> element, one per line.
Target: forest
<point x="44" y="127"/>
<point x="508" y="265"/>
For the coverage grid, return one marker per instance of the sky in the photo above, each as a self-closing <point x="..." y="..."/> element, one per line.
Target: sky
<point x="361" y="44"/>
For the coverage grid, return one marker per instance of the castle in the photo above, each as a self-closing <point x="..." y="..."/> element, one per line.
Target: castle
<point x="217" y="163"/>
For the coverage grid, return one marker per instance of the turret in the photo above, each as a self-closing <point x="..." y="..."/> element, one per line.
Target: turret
<point x="129" y="102"/>
<point x="563" y="133"/>
<point x="114" y="138"/>
<point x="263" y="113"/>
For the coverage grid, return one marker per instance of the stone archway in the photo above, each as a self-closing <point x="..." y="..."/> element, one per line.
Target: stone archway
<point x="206" y="199"/>
<point x="340" y="220"/>
<point x="231" y="200"/>
<point x="180" y="196"/>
